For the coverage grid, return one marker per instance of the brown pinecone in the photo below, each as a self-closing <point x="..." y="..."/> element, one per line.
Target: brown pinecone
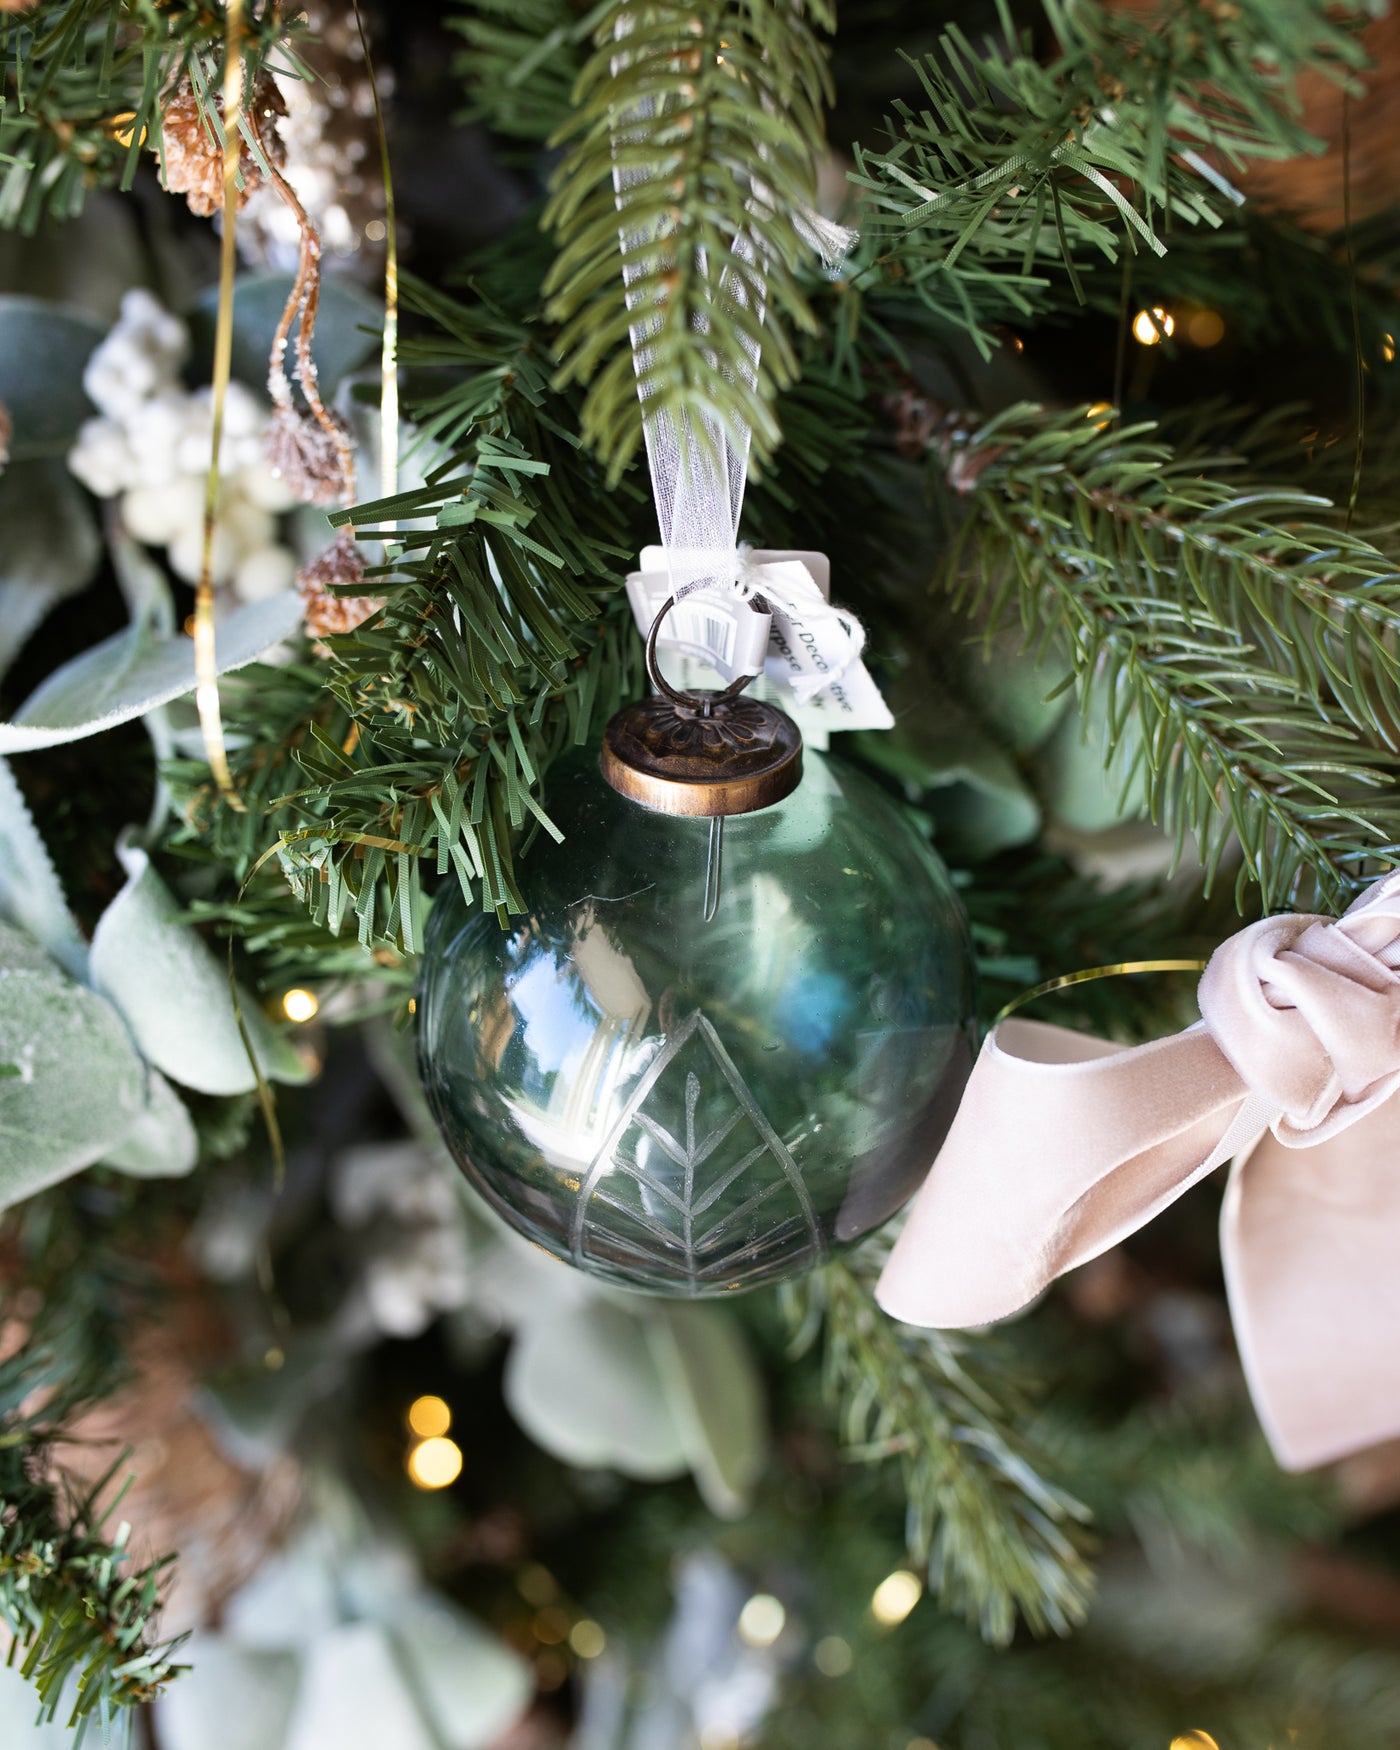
<point x="308" y="460"/>
<point x="340" y="564"/>
<point x="188" y="1495"/>
<point x="193" y="159"/>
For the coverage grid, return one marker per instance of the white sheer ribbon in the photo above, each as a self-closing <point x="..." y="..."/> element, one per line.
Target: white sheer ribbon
<point x="698" y="465"/>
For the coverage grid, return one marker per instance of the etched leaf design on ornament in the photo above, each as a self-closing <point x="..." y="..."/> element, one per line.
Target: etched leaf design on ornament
<point x="692" y="1180"/>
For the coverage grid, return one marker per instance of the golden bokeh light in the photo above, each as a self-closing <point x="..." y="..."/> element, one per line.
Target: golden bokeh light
<point x="428" y="1417"/>
<point x="433" y="1464"/>
<point x="1194" y="1740"/>
<point x="1149" y="326"/>
<point x="832" y="1656"/>
<point x="761" y="1620"/>
<point x="1206" y="328"/>
<point x="896" y="1596"/>
<point x="536" y="1585"/>
<point x="300" y="1005"/>
<point x="587" y="1639"/>
<point x="551" y="1626"/>
<point x="550" y="1671"/>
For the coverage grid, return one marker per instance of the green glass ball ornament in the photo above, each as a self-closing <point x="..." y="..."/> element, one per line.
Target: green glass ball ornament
<point x="732" y="1031"/>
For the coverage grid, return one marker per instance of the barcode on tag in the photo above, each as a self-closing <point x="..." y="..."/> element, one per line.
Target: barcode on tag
<point x="701" y="630"/>
<point x="725" y="630"/>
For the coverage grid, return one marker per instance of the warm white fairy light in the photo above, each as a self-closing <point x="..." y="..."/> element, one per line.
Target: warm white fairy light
<point x="761" y="1620"/>
<point x="587" y="1639"/>
<point x="832" y="1656"/>
<point x="895" y="1597"/>
<point x="428" y="1417"/>
<point x="1149" y="326"/>
<point x="433" y="1464"/>
<point x="300" y="1005"/>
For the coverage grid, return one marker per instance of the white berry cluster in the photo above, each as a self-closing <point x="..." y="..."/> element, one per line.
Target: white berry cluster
<point x="150" y="446"/>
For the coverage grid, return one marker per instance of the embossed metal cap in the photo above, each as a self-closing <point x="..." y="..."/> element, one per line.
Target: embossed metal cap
<point x="703" y="753"/>
<point x="707" y="753"/>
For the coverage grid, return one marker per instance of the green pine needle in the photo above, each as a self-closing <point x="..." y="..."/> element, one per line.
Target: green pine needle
<point x="711" y="117"/>
<point x="1244" y="645"/>
<point x="1000" y="1543"/>
<point x="1014" y="171"/>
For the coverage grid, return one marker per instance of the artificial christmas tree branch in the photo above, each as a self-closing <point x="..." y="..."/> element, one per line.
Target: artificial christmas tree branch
<point x="522" y="61"/>
<point x="1001" y="1542"/>
<point x="711" y="121"/>
<point x="1245" y="645"/>
<point x="1014" y="167"/>
<point x="483" y="663"/>
<point x="84" y="1616"/>
<point x="86" y="84"/>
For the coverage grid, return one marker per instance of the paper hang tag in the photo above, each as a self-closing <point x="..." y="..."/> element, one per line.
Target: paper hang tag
<point x="710" y="627"/>
<point x="724" y="630"/>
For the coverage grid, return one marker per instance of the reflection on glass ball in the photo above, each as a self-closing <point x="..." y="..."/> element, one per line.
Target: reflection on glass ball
<point x="691" y="1106"/>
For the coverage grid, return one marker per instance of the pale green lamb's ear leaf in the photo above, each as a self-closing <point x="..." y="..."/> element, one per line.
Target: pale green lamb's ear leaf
<point x="979" y="801"/>
<point x="19" y="1711"/>
<point x="50" y="547"/>
<point x="173" y="991"/>
<point x="1020" y="695"/>
<point x="587" y="1389"/>
<point x="72" y="1087"/>
<point x="716" y="1398"/>
<point x="1082" y="791"/>
<point x="44" y="350"/>
<point x="354" y="1695"/>
<point x="233" y="1698"/>
<point x="132" y="673"/>
<point x="31" y="894"/>
<point x="163" y="1143"/>
<point x="472" y="1686"/>
<point x="348" y="324"/>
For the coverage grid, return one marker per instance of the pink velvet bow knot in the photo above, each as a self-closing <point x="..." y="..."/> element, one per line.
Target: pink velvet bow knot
<point x="1065" y="1144"/>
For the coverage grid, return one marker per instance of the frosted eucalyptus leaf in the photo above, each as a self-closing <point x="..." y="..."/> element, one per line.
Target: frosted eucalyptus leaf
<point x="173" y="991"/>
<point x="1017" y="692"/>
<point x="716" y="1398"/>
<point x="50" y="547"/>
<point x="587" y="1389"/>
<point x="72" y="1087"/>
<point x="44" y="349"/>
<point x="133" y="672"/>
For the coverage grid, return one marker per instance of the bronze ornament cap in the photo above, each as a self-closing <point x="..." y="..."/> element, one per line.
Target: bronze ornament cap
<point x="703" y="754"/>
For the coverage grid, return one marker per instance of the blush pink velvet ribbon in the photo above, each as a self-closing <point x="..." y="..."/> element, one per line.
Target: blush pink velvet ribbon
<point x="1065" y="1144"/>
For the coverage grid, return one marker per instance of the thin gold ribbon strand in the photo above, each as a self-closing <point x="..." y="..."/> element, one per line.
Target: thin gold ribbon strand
<point x="1120" y="970"/>
<point x="389" y="353"/>
<point x="206" y="669"/>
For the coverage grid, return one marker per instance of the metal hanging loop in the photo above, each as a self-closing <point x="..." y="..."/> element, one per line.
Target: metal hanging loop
<point x="704" y="703"/>
<point x="712" y="753"/>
